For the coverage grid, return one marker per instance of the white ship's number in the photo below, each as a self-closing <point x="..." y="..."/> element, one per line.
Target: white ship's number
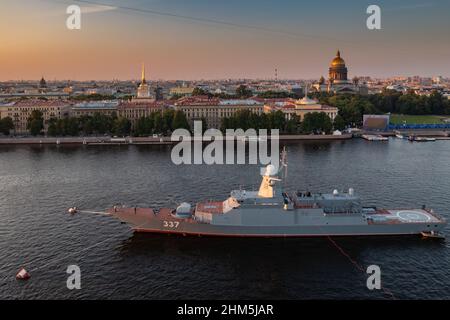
<point x="171" y="224"/>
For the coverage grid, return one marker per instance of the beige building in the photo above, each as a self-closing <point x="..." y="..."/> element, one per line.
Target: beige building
<point x="20" y="112"/>
<point x="135" y="110"/>
<point x="300" y="108"/>
<point x="91" y="108"/>
<point x="213" y="110"/>
<point x="182" y="91"/>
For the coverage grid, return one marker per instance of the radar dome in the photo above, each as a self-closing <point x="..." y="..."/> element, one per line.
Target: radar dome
<point x="271" y="170"/>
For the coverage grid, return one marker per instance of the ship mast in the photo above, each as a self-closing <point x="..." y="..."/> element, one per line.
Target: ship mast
<point x="284" y="164"/>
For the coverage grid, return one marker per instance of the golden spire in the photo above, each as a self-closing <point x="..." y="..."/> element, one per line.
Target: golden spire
<point x="143" y="74"/>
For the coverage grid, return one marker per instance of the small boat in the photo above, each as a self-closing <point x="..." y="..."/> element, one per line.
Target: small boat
<point x="370" y="137"/>
<point x="421" y="139"/>
<point x="400" y="136"/>
<point x="432" y="235"/>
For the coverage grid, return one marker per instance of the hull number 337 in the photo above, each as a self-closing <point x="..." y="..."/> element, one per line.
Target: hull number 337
<point x="171" y="224"/>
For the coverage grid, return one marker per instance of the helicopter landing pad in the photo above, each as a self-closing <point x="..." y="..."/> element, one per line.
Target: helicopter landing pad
<point x="413" y="216"/>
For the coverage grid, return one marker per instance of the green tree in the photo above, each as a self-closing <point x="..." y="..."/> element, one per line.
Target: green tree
<point x="52" y="129"/>
<point x="180" y="121"/>
<point x="36" y="122"/>
<point x="292" y="125"/>
<point x="143" y="126"/>
<point x="316" y="122"/>
<point x="339" y="123"/>
<point x="102" y="123"/>
<point x="167" y="121"/>
<point x="6" y="125"/>
<point x="242" y="92"/>
<point x="157" y="123"/>
<point x="86" y="125"/>
<point x="122" y="126"/>
<point x="199" y="92"/>
<point x="71" y="126"/>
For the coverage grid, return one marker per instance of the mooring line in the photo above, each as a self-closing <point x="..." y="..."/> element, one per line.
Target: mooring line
<point x="51" y="261"/>
<point x="56" y="259"/>
<point x="358" y="266"/>
<point x="95" y="212"/>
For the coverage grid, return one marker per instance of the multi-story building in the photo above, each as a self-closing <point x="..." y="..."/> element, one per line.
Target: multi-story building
<point x="299" y="108"/>
<point x="135" y="110"/>
<point x="182" y="91"/>
<point x="213" y="110"/>
<point x="91" y="108"/>
<point x="20" y="112"/>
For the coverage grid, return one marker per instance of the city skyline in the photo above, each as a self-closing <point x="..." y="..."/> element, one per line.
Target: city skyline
<point x="203" y="40"/>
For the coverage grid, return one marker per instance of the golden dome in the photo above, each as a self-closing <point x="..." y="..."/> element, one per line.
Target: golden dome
<point x="338" y="61"/>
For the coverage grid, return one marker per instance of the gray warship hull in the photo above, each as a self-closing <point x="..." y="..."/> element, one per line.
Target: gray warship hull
<point x="296" y="224"/>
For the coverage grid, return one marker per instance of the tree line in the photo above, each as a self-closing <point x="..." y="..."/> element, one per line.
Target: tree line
<point x="161" y="123"/>
<point x="353" y="107"/>
<point x="157" y="123"/>
<point x="313" y="123"/>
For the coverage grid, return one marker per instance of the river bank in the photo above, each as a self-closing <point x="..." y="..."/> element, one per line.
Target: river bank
<point x="144" y="140"/>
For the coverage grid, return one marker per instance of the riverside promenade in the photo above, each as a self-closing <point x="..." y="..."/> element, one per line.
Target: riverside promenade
<point x="103" y="140"/>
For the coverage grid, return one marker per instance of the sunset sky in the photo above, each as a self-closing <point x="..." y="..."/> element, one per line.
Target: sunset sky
<point x="250" y="39"/>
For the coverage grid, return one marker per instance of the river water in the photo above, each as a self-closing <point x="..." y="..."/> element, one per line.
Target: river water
<point x="38" y="184"/>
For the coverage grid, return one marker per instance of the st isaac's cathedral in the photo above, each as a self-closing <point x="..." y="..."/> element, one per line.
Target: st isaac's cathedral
<point x="338" y="79"/>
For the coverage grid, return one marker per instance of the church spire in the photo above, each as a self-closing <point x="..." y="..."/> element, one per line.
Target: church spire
<point x="338" y="54"/>
<point x="143" y="74"/>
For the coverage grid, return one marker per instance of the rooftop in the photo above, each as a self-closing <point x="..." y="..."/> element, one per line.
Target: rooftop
<point x="97" y="105"/>
<point x="207" y="101"/>
<point x="41" y="103"/>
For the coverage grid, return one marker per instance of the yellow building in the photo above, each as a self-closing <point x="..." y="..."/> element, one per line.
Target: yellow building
<point x="91" y="108"/>
<point x="300" y="108"/>
<point x="182" y="91"/>
<point x="213" y="110"/>
<point x="133" y="111"/>
<point x="20" y="112"/>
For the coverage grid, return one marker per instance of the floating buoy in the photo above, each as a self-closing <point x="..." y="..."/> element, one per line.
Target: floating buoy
<point x="23" y="275"/>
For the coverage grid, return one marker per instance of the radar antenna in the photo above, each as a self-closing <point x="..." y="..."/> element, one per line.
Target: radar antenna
<point x="284" y="164"/>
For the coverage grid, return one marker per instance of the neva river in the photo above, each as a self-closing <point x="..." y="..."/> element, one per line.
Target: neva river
<point x="38" y="184"/>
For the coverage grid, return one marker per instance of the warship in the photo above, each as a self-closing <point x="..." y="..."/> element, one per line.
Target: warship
<point x="273" y="212"/>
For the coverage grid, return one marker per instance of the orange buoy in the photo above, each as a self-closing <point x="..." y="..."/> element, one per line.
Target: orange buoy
<point x="23" y="275"/>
